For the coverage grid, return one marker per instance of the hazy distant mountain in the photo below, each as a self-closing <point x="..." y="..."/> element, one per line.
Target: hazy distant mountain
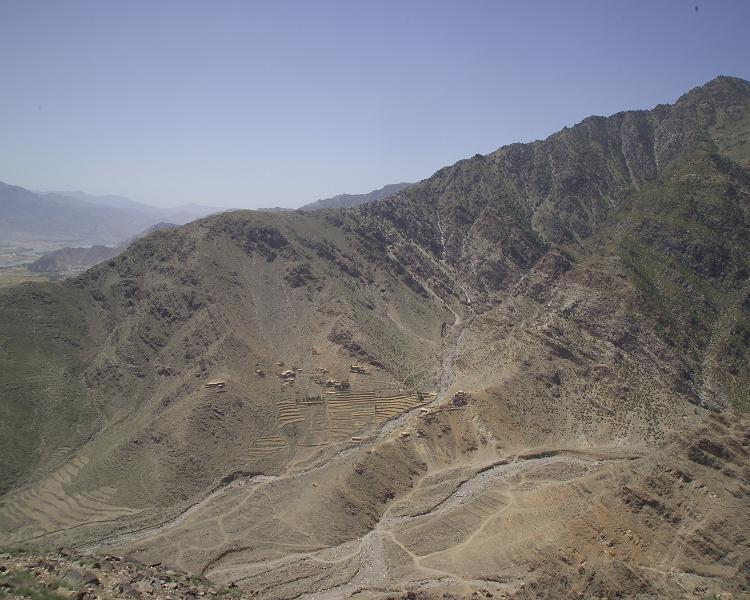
<point x="181" y="214"/>
<point x="53" y="216"/>
<point x="188" y="212"/>
<point x="109" y="200"/>
<point x="161" y="225"/>
<point x="28" y="215"/>
<point x="343" y="200"/>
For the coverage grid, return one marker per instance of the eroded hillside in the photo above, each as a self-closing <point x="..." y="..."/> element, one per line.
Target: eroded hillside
<point x="530" y="369"/>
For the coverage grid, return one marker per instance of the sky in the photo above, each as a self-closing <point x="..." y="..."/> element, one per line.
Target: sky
<point x="278" y="103"/>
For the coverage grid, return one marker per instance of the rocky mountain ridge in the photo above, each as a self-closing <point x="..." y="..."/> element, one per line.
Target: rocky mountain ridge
<point x="348" y="200"/>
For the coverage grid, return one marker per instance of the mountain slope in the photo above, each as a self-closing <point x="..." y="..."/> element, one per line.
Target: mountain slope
<point x="554" y="338"/>
<point x="345" y="200"/>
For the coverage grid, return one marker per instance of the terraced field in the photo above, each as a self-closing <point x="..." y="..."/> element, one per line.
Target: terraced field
<point x="48" y="506"/>
<point x="268" y="445"/>
<point x="352" y="410"/>
<point x="289" y="413"/>
<point x="337" y="415"/>
<point x="55" y="503"/>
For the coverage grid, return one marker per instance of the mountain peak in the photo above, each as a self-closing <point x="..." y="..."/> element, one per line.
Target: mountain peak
<point x="721" y="90"/>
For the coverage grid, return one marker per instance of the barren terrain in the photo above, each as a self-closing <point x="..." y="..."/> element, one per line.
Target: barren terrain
<point x="524" y="376"/>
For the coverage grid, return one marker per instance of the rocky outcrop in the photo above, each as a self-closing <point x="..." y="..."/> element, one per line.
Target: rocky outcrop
<point x="70" y="575"/>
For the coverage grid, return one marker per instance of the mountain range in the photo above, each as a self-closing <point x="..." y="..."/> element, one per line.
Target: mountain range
<point x="526" y="375"/>
<point x="346" y="200"/>
<point x="75" y="216"/>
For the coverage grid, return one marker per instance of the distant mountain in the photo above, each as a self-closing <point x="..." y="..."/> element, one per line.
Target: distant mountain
<point x="73" y="260"/>
<point x="68" y="261"/>
<point x="160" y="226"/>
<point x="32" y="216"/>
<point x="188" y="212"/>
<point x="56" y="216"/>
<point x="109" y="200"/>
<point x="181" y="214"/>
<point x="343" y="200"/>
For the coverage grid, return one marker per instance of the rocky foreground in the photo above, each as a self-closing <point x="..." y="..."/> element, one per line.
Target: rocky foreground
<point x="69" y="575"/>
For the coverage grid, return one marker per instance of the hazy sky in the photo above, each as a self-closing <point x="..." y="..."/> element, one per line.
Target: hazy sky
<point x="279" y="103"/>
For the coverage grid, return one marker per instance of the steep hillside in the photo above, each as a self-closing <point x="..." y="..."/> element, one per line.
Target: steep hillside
<point x="346" y="200"/>
<point x="529" y="371"/>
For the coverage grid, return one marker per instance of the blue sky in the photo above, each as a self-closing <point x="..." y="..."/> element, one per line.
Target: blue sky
<point x="249" y="104"/>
